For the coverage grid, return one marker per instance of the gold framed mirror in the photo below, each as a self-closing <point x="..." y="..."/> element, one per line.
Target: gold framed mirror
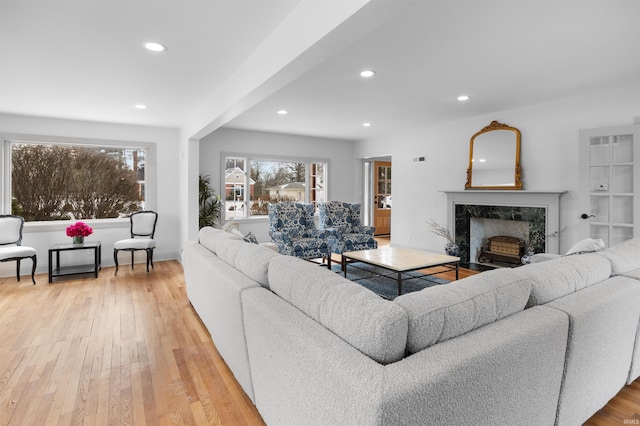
<point x="494" y="158"/>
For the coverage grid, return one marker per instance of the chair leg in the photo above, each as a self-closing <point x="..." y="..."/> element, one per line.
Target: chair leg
<point x="115" y="258"/>
<point x="18" y="269"/>
<point x="329" y="261"/>
<point x="33" y="268"/>
<point x="147" y="250"/>
<point x="132" y="259"/>
<point x="152" y="259"/>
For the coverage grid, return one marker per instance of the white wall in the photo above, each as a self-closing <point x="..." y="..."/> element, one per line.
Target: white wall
<point x="549" y="162"/>
<point x="549" y="159"/>
<point x="338" y="152"/>
<point x="167" y="203"/>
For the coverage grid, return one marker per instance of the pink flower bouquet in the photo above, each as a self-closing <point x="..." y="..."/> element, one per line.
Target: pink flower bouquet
<point x="79" y="229"/>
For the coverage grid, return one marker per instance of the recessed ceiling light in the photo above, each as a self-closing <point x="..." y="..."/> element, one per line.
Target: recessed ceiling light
<point x="141" y="106"/>
<point x="366" y="124"/>
<point x="155" y="47"/>
<point x="367" y="73"/>
<point x="283" y="112"/>
<point x="463" y="98"/>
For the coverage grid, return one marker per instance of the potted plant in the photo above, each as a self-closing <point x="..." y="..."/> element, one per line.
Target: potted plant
<point x="210" y="203"/>
<point x="78" y="231"/>
<point x="451" y="248"/>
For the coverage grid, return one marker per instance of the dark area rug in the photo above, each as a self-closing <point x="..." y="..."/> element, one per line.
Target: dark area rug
<point x="384" y="282"/>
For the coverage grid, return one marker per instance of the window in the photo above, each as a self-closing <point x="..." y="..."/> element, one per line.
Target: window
<point x="71" y="181"/>
<point x="251" y="184"/>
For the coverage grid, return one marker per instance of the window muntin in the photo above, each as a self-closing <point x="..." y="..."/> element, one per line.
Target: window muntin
<point x="52" y="181"/>
<point x="248" y="191"/>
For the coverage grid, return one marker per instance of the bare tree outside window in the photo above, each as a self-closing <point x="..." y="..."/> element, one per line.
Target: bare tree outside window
<point x="60" y="182"/>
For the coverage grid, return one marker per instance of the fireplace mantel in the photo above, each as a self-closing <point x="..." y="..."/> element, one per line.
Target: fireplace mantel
<point x="549" y="200"/>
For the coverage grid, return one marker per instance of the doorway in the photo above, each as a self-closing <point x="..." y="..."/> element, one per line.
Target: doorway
<point x="382" y="199"/>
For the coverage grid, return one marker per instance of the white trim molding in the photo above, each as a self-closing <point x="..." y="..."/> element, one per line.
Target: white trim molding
<point x="549" y="200"/>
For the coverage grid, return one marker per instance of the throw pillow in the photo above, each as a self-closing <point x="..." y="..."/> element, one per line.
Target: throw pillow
<point x="587" y="245"/>
<point x="250" y="238"/>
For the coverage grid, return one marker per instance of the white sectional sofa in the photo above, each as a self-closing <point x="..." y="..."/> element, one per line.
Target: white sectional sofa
<point x="547" y="343"/>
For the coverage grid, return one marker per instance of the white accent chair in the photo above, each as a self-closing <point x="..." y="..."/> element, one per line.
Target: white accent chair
<point x="143" y="228"/>
<point x="11" y="247"/>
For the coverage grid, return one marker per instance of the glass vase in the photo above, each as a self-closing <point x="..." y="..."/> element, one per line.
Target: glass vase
<point x="526" y="259"/>
<point x="78" y="239"/>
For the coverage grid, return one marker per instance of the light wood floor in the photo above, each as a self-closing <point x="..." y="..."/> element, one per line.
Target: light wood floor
<point x="113" y="350"/>
<point x="131" y="350"/>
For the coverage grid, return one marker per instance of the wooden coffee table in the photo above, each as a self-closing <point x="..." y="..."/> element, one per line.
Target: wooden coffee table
<point x="401" y="260"/>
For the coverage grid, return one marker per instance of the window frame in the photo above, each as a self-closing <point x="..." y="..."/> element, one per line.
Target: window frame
<point x="272" y="158"/>
<point x="54" y="225"/>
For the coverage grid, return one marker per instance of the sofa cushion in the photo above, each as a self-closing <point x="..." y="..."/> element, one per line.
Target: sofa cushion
<point x="635" y="274"/>
<point x="564" y="275"/>
<point x="210" y="237"/>
<point x="624" y="257"/>
<point x="603" y="322"/>
<point x="250" y="259"/>
<point x="374" y="326"/>
<point x="443" y="312"/>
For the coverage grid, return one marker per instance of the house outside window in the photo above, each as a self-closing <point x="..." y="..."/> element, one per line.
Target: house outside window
<point x="51" y="181"/>
<point x="251" y="184"/>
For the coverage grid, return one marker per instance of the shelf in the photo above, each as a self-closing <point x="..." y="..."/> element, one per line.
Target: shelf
<point x="73" y="270"/>
<point x="623" y="163"/>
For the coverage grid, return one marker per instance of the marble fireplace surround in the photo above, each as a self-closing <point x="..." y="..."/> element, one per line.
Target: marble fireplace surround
<point x="540" y="208"/>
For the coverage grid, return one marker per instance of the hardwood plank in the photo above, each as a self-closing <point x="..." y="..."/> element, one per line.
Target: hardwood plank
<point x="131" y="350"/>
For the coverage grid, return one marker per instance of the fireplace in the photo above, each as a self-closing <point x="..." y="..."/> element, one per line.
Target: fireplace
<point x="532" y="216"/>
<point x="527" y="223"/>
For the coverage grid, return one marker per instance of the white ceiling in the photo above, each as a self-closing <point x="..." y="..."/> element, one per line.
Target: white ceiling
<point x="83" y="60"/>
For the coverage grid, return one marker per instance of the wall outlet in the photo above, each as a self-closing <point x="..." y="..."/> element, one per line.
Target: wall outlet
<point x="603" y="187"/>
<point x="421" y="159"/>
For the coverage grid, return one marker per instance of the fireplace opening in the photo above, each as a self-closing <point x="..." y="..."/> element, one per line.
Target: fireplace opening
<point x="504" y="249"/>
<point x="476" y="224"/>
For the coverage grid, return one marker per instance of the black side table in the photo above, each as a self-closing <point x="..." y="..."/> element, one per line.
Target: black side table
<point x="60" y="271"/>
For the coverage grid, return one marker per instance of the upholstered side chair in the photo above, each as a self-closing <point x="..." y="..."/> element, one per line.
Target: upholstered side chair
<point x="11" y="248"/>
<point x="143" y="229"/>
<point x="346" y="232"/>
<point x="293" y="230"/>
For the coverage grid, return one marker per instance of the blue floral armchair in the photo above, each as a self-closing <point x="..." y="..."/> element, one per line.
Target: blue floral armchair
<point x="293" y="230"/>
<point x="347" y="232"/>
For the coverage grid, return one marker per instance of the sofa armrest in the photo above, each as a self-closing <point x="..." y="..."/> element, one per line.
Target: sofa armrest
<point x="214" y="289"/>
<point x="302" y="372"/>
